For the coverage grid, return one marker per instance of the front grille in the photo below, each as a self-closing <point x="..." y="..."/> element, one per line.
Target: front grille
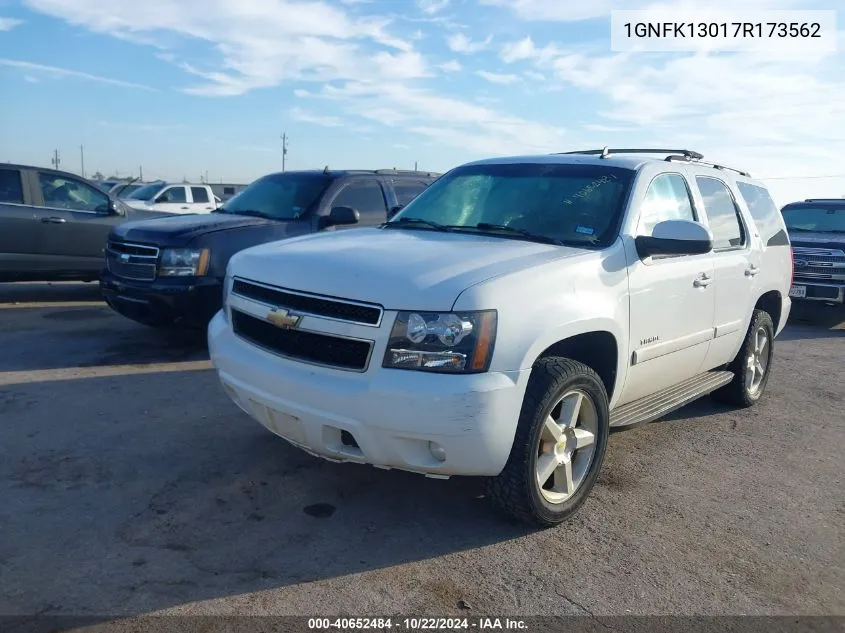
<point x="132" y="261"/>
<point x="317" y="306"/>
<point x="311" y="347"/>
<point x="820" y="273"/>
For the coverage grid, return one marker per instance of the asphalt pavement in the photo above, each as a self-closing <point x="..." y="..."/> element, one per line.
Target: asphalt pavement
<point x="130" y="484"/>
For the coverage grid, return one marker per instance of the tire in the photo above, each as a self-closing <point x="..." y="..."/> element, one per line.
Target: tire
<point x="742" y="391"/>
<point x="516" y="491"/>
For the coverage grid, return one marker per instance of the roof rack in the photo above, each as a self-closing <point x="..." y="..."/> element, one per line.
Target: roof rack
<point x="698" y="161"/>
<point x="606" y="152"/>
<point x="405" y="171"/>
<point x="686" y="155"/>
<point x="825" y="199"/>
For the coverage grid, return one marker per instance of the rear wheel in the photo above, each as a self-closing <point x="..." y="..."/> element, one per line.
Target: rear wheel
<point x="558" y="447"/>
<point x="752" y="364"/>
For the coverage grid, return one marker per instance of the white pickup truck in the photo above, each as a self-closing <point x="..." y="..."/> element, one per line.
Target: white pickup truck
<point x="173" y="198"/>
<point x="507" y="318"/>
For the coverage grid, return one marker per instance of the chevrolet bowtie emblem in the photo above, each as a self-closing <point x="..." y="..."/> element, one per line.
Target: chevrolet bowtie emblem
<point x="283" y="318"/>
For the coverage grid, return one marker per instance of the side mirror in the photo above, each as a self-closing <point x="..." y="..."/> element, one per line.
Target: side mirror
<point x="159" y="200"/>
<point x="394" y="210"/>
<point x="339" y="216"/>
<point x="675" y="237"/>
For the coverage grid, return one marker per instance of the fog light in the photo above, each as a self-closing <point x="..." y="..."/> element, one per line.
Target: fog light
<point x="437" y="451"/>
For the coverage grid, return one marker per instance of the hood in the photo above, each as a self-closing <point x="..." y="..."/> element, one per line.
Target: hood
<point x="396" y="268"/>
<point x="178" y="230"/>
<point x="817" y="240"/>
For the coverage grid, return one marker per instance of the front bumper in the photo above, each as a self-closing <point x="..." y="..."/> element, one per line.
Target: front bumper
<point x="187" y="302"/>
<point x="383" y="417"/>
<point x="813" y="290"/>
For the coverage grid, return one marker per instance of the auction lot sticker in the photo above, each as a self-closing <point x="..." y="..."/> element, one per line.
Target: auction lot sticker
<point x="778" y="31"/>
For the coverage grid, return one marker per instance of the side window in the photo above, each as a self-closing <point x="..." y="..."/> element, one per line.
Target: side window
<point x="11" y="189"/>
<point x="199" y="194"/>
<point x="64" y="193"/>
<point x="763" y="209"/>
<point x="367" y="197"/>
<point x="407" y="190"/>
<point x="173" y="194"/>
<point x="722" y="213"/>
<point x="667" y="198"/>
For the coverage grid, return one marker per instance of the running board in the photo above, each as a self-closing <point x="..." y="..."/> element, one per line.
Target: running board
<point x="657" y="405"/>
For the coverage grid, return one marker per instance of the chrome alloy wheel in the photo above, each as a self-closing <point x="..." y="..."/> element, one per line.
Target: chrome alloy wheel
<point x="757" y="361"/>
<point x="566" y="447"/>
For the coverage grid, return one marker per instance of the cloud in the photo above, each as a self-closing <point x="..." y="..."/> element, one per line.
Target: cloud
<point x="7" y="24"/>
<point x="30" y="79"/>
<point x="448" y="121"/>
<point x="307" y="117"/>
<point x="60" y="73"/>
<point x="452" y="66"/>
<point x="460" y="43"/>
<point x="498" y="78"/>
<point x="142" y="127"/>
<point x="432" y="6"/>
<point x="260" y="43"/>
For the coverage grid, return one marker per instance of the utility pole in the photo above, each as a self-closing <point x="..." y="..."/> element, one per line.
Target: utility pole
<point x="415" y="165"/>
<point x="141" y="172"/>
<point x="56" y="159"/>
<point x="284" y="148"/>
<point x="82" y="159"/>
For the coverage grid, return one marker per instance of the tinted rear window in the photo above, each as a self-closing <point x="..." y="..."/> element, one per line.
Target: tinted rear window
<point x="763" y="209"/>
<point x="10" y="186"/>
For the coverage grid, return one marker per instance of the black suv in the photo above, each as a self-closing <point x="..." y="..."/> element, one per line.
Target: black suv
<point x="169" y="272"/>
<point x="817" y="233"/>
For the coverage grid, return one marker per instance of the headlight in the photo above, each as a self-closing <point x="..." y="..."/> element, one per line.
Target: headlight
<point x="448" y="342"/>
<point x="183" y="262"/>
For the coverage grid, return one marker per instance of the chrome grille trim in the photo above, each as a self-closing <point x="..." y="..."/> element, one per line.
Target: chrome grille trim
<point x="139" y="261"/>
<point x="320" y="299"/>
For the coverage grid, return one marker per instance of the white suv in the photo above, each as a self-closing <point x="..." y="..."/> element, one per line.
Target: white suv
<point x="511" y="315"/>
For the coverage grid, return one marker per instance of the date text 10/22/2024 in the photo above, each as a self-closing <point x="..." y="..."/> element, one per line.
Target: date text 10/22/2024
<point x="416" y="624"/>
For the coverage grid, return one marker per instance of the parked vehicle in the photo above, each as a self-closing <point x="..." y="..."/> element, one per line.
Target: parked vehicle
<point x="503" y="321"/>
<point x="173" y="198"/>
<point x="817" y="231"/>
<point x="124" y="189"/>
<point x="54" y="224"/>
<point x="170" y="272"/>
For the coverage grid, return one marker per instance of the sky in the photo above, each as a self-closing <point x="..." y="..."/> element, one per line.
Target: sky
<point x="185" y="88"/>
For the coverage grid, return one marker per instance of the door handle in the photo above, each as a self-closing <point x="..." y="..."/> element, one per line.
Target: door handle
<point x="702" y="281"/>
<point x="53" y="220"/>
<point x="751" y="271"/>
<point x="185" y="207"/>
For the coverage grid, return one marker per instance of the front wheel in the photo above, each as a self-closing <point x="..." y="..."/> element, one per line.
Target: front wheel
<point x="558" y="447"/>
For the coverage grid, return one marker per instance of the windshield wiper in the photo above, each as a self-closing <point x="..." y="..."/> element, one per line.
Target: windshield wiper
<point x="486" y="226"/>
<point x="420" y="222"/>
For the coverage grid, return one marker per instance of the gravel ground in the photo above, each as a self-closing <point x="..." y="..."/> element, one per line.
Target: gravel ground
<point x="130" y="484"/>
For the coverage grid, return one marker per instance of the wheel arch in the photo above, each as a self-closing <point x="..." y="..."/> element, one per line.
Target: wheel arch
<point x="598" y="349"/>
<point x="771" y="302"/>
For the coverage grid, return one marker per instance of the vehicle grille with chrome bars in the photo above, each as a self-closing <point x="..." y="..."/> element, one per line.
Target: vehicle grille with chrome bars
<point x="684" y="155"/>
<point x="132" y="261"/>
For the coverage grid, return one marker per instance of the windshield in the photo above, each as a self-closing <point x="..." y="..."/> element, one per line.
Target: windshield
<point x="565" y="203"/>
<point x="128" y="190"/>
<point x="278" y="196"/>
<point x="823" y="220"/>
<point x="147" y="192"/>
